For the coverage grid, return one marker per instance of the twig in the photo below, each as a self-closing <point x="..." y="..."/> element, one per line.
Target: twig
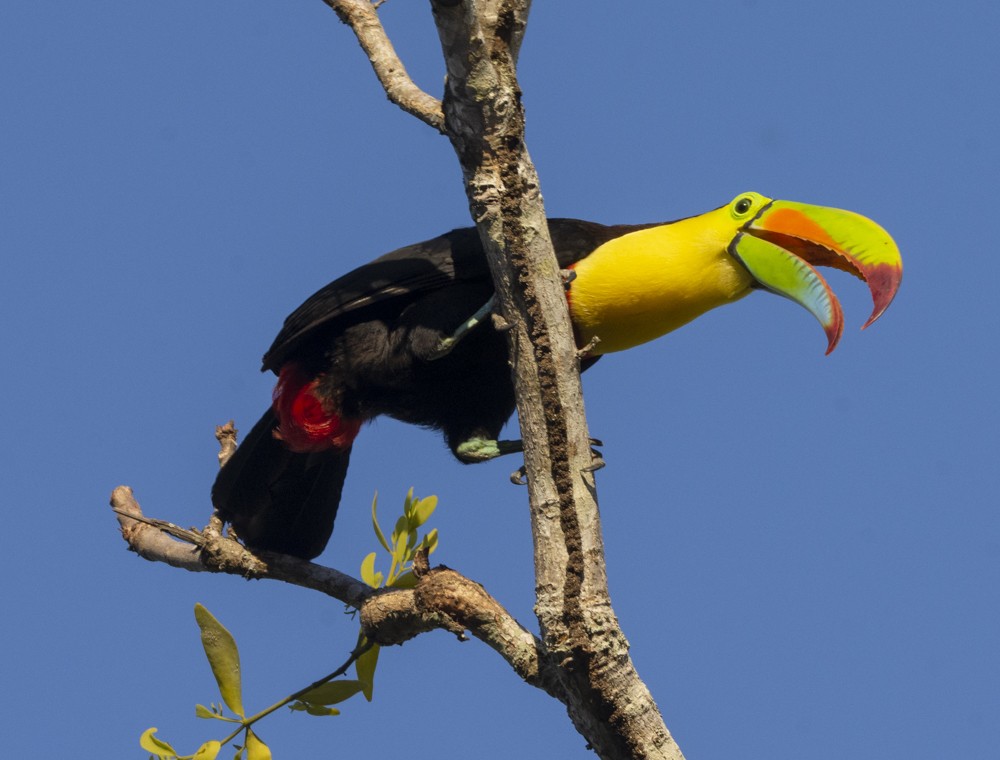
<point x="363" y="19"/>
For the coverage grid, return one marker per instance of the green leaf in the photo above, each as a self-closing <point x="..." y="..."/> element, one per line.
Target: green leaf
<point x="318" y="710"/>
<point x="430" y="541"/>
<point x="223" y="656"/>
<point x="201" y="711"/>
<point x="399" y="546"/>
<point x="406" y="580"/>
<point x="256" y="749"/>
<point x="208" y="751"/>
<point x="401" y="529"/>
<point x="322" y="712"/>
<point x="378" y="530"/>
<point x="157" y="747"/>
<point x="364" y="666"/>
<point x="422" y="511"/>
<point x="368" y="571"/>
<point x="332" y="692"/>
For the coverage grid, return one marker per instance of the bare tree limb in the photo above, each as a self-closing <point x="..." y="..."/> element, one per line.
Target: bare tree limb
<point x="151" y="539"/>
<point x="363" y="19"/>
<point x="208" y="551"/>
<point x="442" y="598"/>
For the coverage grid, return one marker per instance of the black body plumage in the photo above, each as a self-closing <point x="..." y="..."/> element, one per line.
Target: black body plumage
<point x="370" y="336"/>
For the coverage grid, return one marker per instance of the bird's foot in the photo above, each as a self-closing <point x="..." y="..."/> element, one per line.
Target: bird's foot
<point x="500" y="324"/>
<point x="445" y="345"/>
<point x="520" y="476"/>
<point x="484" y="449"/>
<point x="443" y="348"/>
<point x="597" y="459"/>
<point x="585" y="351"/>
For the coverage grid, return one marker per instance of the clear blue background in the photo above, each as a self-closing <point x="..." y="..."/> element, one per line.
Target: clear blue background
<point x="804" y="551"/>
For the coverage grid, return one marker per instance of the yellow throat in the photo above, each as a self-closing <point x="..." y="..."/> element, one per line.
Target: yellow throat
<point x="645" y="284"/>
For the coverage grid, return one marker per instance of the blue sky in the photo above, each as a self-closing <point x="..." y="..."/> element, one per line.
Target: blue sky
<point x="804" y="551"/>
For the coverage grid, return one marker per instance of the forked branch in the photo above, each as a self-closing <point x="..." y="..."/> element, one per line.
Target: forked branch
<point x="442" y="598"/>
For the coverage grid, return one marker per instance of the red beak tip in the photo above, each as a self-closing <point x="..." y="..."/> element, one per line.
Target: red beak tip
<point x="833" y="333"/>
<point x="878" y="312"/>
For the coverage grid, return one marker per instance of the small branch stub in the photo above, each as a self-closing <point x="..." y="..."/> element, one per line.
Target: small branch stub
<point x="226" y="435"/>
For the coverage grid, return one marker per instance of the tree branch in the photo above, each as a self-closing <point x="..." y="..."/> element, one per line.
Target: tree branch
<point x="363" y="19"/>
<point x="442" y="598"/>
<point x="484" y="119"/>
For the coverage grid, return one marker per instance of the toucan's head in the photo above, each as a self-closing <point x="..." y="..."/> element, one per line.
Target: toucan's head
<point x="781" y="242"/>
<point x="648" y="282"/>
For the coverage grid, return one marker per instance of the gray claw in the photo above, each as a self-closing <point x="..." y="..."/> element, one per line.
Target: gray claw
<point x="597" y="460"/>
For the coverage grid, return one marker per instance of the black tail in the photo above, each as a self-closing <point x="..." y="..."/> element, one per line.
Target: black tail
<point x="278" y="500"/>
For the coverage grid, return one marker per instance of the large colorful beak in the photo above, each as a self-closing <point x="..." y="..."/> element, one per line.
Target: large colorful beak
<point x="782" y="245"/>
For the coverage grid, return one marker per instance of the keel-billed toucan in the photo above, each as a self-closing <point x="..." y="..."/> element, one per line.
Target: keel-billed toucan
<point x="370" y="342"/>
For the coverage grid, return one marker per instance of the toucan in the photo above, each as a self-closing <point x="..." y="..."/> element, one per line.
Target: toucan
<point x="398" y="336"/>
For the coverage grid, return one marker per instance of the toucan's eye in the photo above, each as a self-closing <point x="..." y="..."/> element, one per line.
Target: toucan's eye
<point x="743" y="205"/>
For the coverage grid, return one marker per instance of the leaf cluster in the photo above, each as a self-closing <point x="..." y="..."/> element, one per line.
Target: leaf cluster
<point x="318" y="698"/>
<point x="403" y="543"/>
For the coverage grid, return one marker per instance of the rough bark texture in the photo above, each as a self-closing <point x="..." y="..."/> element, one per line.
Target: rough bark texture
<point x="484" y="120"/>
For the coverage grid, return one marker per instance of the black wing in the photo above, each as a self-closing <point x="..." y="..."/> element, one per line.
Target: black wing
<point x="420" y="268"/>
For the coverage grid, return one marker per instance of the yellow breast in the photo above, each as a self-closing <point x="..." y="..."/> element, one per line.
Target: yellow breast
<point x="643" y="285"/>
